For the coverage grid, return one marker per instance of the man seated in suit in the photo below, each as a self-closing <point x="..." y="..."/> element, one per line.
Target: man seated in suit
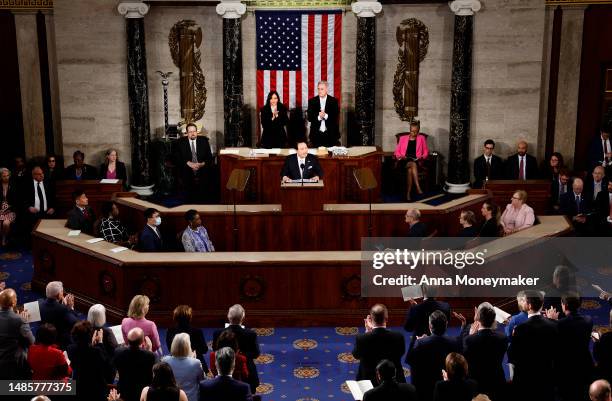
<point x="428" y="356"/>
<point x="81" y="216"/>
<point x="559" y="187"/>
<point x="36" y="201"/>
<point x="389" y="389"/>
<point x="488" y="166"/>
<point x="533" y="352"/>
<point x="224" y="387"/>
<point x="194" y="159"/>
<point x="600" y="391"/>
<point x="417" y="319"/>
<point x="150" y="239"/>
<point x="417" y="228"/>
<point x="79" y="170"/>
<point x="323" y="112"/>
<point x="58" y="310"/>
<point x="600" y="151"/>
<point x="595" y="183"/>
<point x="247" y="342"/>
<point x="378" y="343"/>
<point x="574" y="205"/>
<point x="603" y="211"/>
<point x="521" y="165"/>
<point x="301" y="165"/>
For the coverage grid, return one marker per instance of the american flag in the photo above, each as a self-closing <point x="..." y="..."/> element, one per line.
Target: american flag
<point x="295" y="50"/>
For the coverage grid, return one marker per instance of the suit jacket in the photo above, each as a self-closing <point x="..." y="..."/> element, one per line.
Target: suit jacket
<point x="568" y="206"/>
<point x="480" y="170"/>
<point x="273" y="134"/>
<point x="93" y="369"/>
<point x="554" y="191"/>
<point x="489" y="229"/>
<point x="575" y="361"/>
<point x="455" y="390"/>
<point x="533" y="351"/>
<point x="291" y="169"/>
<point x="183" y="152"/>
<point x="120" y="171"/>
<point x="249" y="347"/>
<point x="59" y="315"/>
<point x="602" y="353"/>
<point x="484" y="352"/>
<point x="596" y="156"/>
<point x="15" y="338"/>
<point x="373" y="347"/>
<point x="417" y="320"/>
<point x="512" y="167"/>
<point x="27" y="194"/>
<point x="602" y="206"/>
<point x="331" y="124"/>
<point x="78" y="221"/>
<point x="418" y="229"/>
<point x="468" y="232"/>
<point x="391" y="391"/>
<point x="426" y="360"/>
<point x="224" y="388"/>
<point x="589" y="187"/>
<point x="88" y="172"/>
<point x="149" y="241"/>
<point x="135" y="371"/>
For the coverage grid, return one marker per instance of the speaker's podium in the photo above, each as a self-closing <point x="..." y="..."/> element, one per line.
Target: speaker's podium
<point x="306" y="196"/>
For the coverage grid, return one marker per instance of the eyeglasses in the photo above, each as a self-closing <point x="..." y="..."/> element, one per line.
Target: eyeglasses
<point x="514" y="197"/>
<point x="489" y="147"/>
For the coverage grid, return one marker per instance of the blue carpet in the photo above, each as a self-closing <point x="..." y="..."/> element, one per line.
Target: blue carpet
<point x="296" y="363"/>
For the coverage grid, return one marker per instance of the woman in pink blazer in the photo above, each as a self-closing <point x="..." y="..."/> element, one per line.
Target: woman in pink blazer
<point x="412" y="150"/>
<point x="517" y="215"/>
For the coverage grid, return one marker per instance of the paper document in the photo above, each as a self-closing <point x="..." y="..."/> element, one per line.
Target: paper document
<point x="595" y="335"/>
<point x="227" y="325"/>
<point x="358" y="388"/>
<point x="118" y="334"/>
<point x="306" y="181"/>
<point x="229" y="151"/>
<point x="94" y="240"/>
<point x="412" y="291"/>
<point x="118" y="249"/>
<point x="598" y="288"/>
<point x="511" y="371"/>
<point x="500" y="315"/>
<point x="109" y="181"/>
<point x="74" y="233"/>
<point x="34" y="311"/>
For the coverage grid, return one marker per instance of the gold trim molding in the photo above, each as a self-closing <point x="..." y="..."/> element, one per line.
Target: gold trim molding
<point x="576" y="2"/>
<point x="297" y="4"/>
<point x="26" y="5"/>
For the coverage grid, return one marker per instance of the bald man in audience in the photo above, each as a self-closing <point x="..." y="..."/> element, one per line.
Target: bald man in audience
<point x="595" y="183"/>
<point x="576" y="206"/>
<point x="600" y="391"/>
<point x="134" y="365"/>
<point x="521" y="165"/>
<point x="417" y="228"/>
<point x="15" y="338"/>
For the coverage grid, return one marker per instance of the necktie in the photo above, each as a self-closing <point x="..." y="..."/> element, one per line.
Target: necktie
<point x="85" y="213"/>
<point x="488" y="167"/>
<point x="41" y="198"/>
<point x="194" y="154"/>
<point x="577" y="203"/>
<point x="522" y="169"/>
<point x="610" y="198"/>
<point x="605" y="143"/>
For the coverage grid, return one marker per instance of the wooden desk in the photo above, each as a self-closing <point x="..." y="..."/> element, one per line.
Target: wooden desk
<point x="96" y="192"/>
<point x="340" y="185"/>
<point x="296" y="197"/>
<point x="538" y="193"/>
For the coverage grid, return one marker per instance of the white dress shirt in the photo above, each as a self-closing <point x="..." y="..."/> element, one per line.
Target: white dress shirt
<point x="605" y="143"/>
<point x="322" y="101"/>
<point x="300" y="162"/>
<point x="596" y="188"/>
<point x="37" y="199"/>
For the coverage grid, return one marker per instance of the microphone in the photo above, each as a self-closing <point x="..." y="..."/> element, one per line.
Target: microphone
<point x="302" y="166"/>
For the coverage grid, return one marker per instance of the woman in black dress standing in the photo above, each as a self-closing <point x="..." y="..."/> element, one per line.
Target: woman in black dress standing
<point x="273" y="120"/>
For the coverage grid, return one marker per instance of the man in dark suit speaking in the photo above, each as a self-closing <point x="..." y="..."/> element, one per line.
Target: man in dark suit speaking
<point x="323" y="113"/>
<point x="301" y="165"/>
<point x="194" y="159"/>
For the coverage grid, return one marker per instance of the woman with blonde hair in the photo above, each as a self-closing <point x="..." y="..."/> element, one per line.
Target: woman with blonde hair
<point x="517" y="215"/>
<point x="186" y="368"/>
<point x="139" y="307"/>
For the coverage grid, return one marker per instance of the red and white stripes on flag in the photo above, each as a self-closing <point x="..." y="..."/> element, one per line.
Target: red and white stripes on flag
<point x="321" y="60"/>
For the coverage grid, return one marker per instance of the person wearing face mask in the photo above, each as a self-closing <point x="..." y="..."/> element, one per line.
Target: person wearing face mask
<point x="150" y="238"/>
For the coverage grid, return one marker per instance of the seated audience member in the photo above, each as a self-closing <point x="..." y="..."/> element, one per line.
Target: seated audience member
<point x="81" y="216"/>
<point x="112" y="168"/>
<point x="467" y="219"/>
<point x="600" y="390"/>
<point x="224" y="387"/>
<point x="481" y="397"/>
<point x="163" y="386"/>
<point x="417" y="319"/>
<point x="521" y="165"/>
<point x="378" y="343"/>
<point x="553" y="167"/>
<point x="563" y="282"/>
<point x="559" y="188"/>
<point x="46" y="360"/>
<point x="15" y="338"/>
<point x="533" y="352"/>
<point x="518" y="215"/>
<point x="20" y="171"/>
<point x="58" y="310"/>
<point x="521" y="317"/>
<point x="488" y="166"/>
<point x="456" y="386"/>
<point x="41" y="398"/>
<point x="111" y="228"/>
<point x="416" y="227"/>
<point x="228" y="339"/>
<point x="92" y="368"/>
<point x="247" y="342"/>
<point x="600" y="152"/>
<point x="595" y="183"/>
<point x="37" y="197"/>
<point x="53" y="172"/>
<point x="137" y="312"/>
<point x="79" y="170"/>
<point x="574" y="363"/>
<point x="490" y="227"/>
<point x="604" y="211"/>
<point x="428" y="355"/>
<point x="134" y="365"/>
<point x="150" y="239"/>
<point x="574" y="205"/>
<point x="195" y="237"/>
<point x="301" y="165"/>
<point x="187" y="369"/>
<point x="97" y="317"/>
<point x="389" y="389"/>
<point x="182" y="319"/>
<point x="412" y="150"/>
<point x="8" y="204"/>
<point x="484" y="350"/>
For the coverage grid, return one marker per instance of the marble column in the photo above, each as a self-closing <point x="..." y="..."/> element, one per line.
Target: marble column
<point x="54" y="83"/>
<point x="458" y="180"/>
<point x="30" y="83"/>
<point x="365" y="72"/>
<point x="138" y="95"/>
<point x="231" y="11"/>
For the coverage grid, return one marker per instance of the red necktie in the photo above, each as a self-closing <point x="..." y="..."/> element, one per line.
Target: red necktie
<point x="522" y="169"/>
<point x="85" y="214"/>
